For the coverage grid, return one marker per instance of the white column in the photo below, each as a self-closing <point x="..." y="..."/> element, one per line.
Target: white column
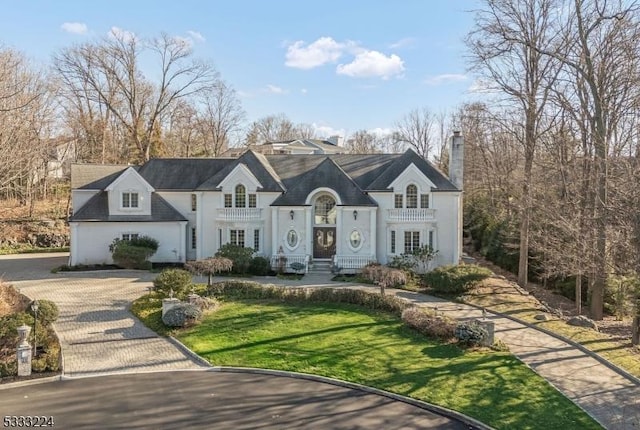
<point x="308" y="226"/>
<point x="73" y="254"/>
<point x="200" y="226"/>
<point x="182" y="250"/>
<point x="275" y="215"/>
<point x="372" y="232"/>
<point x="339" y="230"/>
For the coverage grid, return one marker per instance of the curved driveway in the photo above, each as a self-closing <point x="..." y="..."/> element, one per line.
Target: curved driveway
<point x="100" y="336"/>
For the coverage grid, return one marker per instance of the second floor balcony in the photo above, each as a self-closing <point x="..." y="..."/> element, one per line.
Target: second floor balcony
<point x="239" y="214"/>
<point x="411" y="215"/>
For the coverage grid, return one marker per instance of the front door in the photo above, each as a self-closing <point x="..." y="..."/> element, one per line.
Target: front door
<point x="324" y="242"/>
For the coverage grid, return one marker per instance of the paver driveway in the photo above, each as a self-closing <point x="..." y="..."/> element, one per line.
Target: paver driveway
<point x="97" y="332"/>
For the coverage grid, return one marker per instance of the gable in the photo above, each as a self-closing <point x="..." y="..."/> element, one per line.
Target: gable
<point x="240" y="175"/>
<point x="130" y="178"/>
<point x="412" y="175"/>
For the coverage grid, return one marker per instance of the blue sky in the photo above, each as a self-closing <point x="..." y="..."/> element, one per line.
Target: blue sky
<point x="340" y="65"/>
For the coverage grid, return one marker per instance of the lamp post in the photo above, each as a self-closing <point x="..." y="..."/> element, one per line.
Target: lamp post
<point x="34" y="308"/>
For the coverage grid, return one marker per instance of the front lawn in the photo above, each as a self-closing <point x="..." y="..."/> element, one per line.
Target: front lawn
<point x="350" y="343"/>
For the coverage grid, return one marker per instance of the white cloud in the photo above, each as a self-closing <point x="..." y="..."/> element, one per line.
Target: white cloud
<point x="322" y="51"/>
<point x="196" y="35"/>
<point x="372" y="64"/>
<point x="119" y="33"/>
<point x="75" y="27"/>
<point x="325" y="131"/>
<point x="403" y="43"/>
<point x="274" y="89"/>
<point x="446" y="78"/>
<point x="381" y="132"/>
<point x="304" y="91"/>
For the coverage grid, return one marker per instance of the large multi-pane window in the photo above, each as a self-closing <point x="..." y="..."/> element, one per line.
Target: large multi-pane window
<point x="236" y="237"/>
<point x="241" y="195"/>
<point x="252" y="200"/>
<point x="412" y="196"/>
<point x="424" y="201"/>
<point x="228" y="200"/>
<point x="411" y="241"/>
<point x="325" y="210"/>
<point x="130" y="200"/>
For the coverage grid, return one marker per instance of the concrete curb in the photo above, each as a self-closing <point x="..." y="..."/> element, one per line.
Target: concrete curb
<point x="195" y="357"/>
<point x="439" y="410"/>
<point x="35" y="381"/>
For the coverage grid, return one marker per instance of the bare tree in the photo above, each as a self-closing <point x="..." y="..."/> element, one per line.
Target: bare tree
<point x="271" y="128"/>
<point x="110" y="69"/>
<point x="221" y="116"/>
<point x="416" y="129"/>
<point x="506" y="45"/>
<point x="363" y="142"/>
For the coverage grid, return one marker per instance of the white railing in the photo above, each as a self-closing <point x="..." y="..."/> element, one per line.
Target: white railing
<point x="282" y="262"/>
<point x="411" y="214"/>
<point x="239" y="214"/>
<point x="351" y="263"/>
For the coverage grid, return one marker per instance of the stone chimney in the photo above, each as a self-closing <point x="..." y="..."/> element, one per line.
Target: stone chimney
<point x="456" y="160"/>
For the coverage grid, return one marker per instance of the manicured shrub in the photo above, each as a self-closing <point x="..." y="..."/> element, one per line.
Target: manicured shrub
<point x="455" y="279"/>
<point x="209" y="266"/>
<point x="240" y="256"/>
<point x="181" y="315"/>
<point x="259" y="266"/>
<point x="47" y="311"/>
<point x="145" y="242"/>
<point x="470" y="333"/>
<point x="178" y="280"/>
<point x="429" y="323"/>
<point x="133" y="253"/>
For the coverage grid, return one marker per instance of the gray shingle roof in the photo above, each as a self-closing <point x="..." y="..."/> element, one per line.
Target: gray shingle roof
<point x="386" y="177"/>
<point x="97" y="209"/>
<point x="94" y="176"/>
<point x="326" y="174"/>
<point x="263" y="173"/>
<point x="181" y="173"/>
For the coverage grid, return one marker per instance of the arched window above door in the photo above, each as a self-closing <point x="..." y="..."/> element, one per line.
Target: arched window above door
<point x="325" y="210"/>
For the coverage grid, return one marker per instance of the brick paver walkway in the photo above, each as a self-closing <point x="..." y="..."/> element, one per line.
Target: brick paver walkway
<point x="97" y="332"/>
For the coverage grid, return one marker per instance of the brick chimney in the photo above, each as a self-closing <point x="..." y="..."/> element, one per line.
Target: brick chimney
<point x="456" y="160"/>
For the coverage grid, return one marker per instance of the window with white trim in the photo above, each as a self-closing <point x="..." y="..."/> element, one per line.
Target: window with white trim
<point x="236" y="237"/>
<point x="194" y="239"/>
<point x="256" y="240"/>
<point x="393" y="241"/>
<point x="253" y="200"/>
<point x="411" y="241"/>
<point x="129" y="236"/>
<point x="397" y="201"/>
<point x="424" y="201"/>
<point x="412" y="196"/>
<point x="431" y="239"/>
<point x="241" y="196"/>
<point x="228" y="200"/>
<point x="194" y="202"/>
<point x="130" y="199"/>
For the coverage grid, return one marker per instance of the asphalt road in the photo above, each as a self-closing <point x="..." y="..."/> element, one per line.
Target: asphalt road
<point x="212" y="400"/>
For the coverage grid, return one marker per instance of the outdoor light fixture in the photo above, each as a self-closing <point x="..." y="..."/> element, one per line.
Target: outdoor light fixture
<point x="291" y="214"/>
<point x="355" y="215"/>
<point x="34" y="308"/>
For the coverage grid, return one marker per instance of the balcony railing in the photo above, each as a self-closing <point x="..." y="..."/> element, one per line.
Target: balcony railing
<point x="411" y="214"/>
<point x="239" y="214"/>
<point x="282" y="262"/>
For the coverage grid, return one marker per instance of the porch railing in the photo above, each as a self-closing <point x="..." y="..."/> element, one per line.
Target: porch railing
<point x="351" y="263"/>
<point x="283" y="262"/>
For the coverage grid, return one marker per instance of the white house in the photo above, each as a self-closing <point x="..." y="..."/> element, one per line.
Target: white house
<point x="347" y="208"/>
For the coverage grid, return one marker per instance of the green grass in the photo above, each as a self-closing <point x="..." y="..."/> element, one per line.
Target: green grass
<point x="349" y="343"/>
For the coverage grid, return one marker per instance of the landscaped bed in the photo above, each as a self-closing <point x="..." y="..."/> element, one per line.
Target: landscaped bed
<point x="348" y="342"/>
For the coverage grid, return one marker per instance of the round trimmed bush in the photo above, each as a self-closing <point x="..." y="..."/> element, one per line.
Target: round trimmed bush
<point x="178" y="280"/>
<point x="259" y="266"/>
<point x="470" y="333"/>
<point x="48" y="311"/>
<point x="181" y="315"/>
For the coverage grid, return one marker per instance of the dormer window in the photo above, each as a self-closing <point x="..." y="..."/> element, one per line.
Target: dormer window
<point x="130" y="200"/>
